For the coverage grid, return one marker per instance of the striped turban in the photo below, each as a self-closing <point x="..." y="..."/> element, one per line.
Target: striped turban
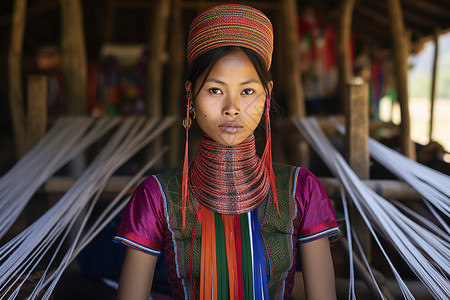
<point x="230" y="25"/>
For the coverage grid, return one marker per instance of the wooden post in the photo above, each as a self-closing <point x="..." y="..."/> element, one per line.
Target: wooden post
<point x="157" y="53"/>
<point x="357" y="127"/>
<point x="159" y="25"/>
<point x="294" y="88"/>
<point x="433" y="82"/>
<point x="343" y="49"/>
<point x="296" y="101"/>
<point x="37" y="109"/>
<point x="175" y="94"/>
<point x="74" y="56"/>
<point x="401" y="73"/>
<point x="15" y="75"/>
<point x="357" y="147"/>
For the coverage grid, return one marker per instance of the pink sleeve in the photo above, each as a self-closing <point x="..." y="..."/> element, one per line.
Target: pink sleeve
<point x="142" y="225"/>
<point x="318" y="218"/>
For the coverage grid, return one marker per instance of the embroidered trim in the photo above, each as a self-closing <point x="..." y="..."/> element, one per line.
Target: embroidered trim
<point x="133" y="244"/>
<point x="327" y="232"/>
<point x="166" y="207"/>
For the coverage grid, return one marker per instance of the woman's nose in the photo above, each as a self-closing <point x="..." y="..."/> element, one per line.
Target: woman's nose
<point x="232" y="106"/>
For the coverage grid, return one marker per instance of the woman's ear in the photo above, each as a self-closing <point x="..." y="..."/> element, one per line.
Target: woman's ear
<point x="188" y="85"/>
<point x="270" y="86"/>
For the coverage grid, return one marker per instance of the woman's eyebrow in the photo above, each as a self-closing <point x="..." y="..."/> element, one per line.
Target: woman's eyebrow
<point x="249" y="81"/>
<point x="215" y="80"/>
<point x="223" y="83"/>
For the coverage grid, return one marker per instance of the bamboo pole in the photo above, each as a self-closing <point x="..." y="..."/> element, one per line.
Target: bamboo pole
<point x="343" y="49"/>
<point x="401" y="73"/>
<point x="74" y="56"/>
<point x="433" y="82"/>
<point x="175" y="95"/>
<point x="15" y="75"/>
<point x="37" y="109"/>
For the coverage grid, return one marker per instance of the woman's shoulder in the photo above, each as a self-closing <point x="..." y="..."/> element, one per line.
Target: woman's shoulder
<point x="160" y="178"/>
<point x="301" y="180"/>
<point x="291" y="170"/>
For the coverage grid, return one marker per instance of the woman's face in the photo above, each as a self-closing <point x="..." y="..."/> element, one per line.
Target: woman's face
<point x="231" y="101"/>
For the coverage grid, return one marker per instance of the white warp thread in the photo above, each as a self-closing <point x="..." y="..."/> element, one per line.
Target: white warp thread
<point x="23" y="253"/>
<point x="65" y="140"/>
<point x="406" y="236"/>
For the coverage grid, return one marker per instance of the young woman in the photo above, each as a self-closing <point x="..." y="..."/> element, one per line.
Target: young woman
<point x="229" y="222"/>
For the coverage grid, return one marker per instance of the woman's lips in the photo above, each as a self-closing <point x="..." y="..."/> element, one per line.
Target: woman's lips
<point x="230" y="127"/>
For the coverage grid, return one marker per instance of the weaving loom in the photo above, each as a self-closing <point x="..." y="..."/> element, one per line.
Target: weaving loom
<point x="21" y="256"/>
<point x="425" y="248"/>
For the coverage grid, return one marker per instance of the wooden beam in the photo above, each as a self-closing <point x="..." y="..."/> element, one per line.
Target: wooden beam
<point x="387" y="188"/>
<point x="401" y="74"/>
<point x="74" y="60"/>
<point x="391" y="189"/>
<point x="379" y="8"/>
<point x="372" y="14"/>
<point x="343" y="48"/>
<point x="419" y="19"/>
<point x="200" y="5"/>
<point x="37" y="109"/>
<point x="377" y="31"/>
<point x="296" y="100"/>
<point x="429" y="6"/>
<point x="31" y="11"/>
<point x="433" y="82"/>
<point x="15" y="75"/>
<point x="134" y="4"/>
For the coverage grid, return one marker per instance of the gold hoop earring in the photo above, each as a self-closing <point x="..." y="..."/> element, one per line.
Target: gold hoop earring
<point x="192" y="111"/>
<point x="187" y="122"/>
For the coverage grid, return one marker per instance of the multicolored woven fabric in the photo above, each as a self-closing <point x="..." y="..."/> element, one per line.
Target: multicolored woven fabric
<point x="153" y="219"/>
<point x="230" y="25"/>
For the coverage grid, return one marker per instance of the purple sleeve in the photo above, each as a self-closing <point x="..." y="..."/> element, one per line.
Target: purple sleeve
<point x="318" y="218"/>
<point x="142" y="225"/>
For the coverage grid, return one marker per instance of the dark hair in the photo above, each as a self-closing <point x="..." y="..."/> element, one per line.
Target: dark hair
<point x="206" y="62"/>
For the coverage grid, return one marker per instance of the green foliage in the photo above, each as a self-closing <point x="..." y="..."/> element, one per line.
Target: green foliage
<point x="419" y="84"/>
<point x="419" y="81"/>
<point x="443" y="84"/>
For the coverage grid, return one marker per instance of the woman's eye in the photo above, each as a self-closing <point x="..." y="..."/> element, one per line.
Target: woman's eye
<point x="215" y="91"/>
<point x="248" y="92"/>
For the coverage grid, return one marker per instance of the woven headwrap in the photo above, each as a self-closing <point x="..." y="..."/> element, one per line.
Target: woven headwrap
<point x="230" y="25"/>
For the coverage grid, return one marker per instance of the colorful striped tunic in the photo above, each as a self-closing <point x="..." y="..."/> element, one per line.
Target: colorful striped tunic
<point x="152" y="223"/>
